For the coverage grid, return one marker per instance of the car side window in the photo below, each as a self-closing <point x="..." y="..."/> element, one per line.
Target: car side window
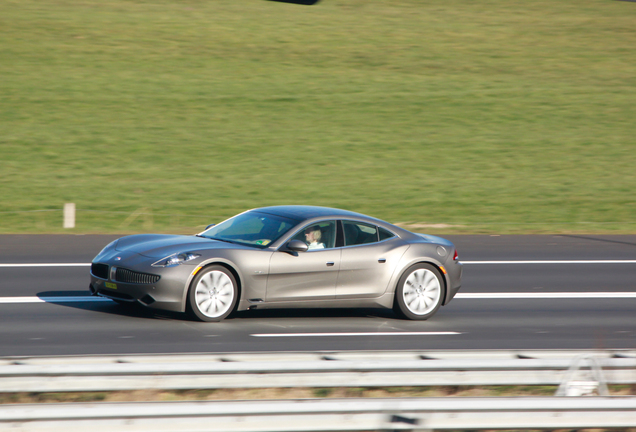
<point x="385" y="234"/>
<point x="357" y="233"/>
<point x="320" y="235"/>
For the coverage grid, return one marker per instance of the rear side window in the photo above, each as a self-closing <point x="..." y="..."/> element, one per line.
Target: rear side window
<point x="385" y="234"/>
<point x="357" y="233"/>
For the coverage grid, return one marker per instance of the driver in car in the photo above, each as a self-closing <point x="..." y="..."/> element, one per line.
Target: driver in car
<point x="313" y="236"/>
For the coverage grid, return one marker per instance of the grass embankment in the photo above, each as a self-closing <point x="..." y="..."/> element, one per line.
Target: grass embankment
<point x="291" y="393"/>
<point x="488" y="116"/>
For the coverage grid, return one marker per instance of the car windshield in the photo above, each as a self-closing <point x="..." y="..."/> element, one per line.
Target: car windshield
<point x="251" y="229"/>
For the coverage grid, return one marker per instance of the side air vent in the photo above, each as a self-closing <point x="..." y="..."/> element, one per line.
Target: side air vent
<point x="128" y="276"/>
<point x="147" y="300"/>
<point x="99" y="270"/>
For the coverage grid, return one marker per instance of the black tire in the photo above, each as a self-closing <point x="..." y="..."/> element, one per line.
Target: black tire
<point x="419" y="292"/>
<point x="213" y="294"/>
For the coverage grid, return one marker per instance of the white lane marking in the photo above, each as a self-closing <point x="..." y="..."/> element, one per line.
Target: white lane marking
<point x="47" y="265"/>
<point x="547" y="295"/>
<point x="68" y="299"/>
<point x="491" y="295"/>
<point x="554" y="262"/>
<point x="463" y="262"/>
<point x="270" y="335"/>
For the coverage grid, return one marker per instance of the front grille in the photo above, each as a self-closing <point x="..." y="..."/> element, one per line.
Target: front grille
<point x="100" y="270"/>
<point x="129" y="276"/>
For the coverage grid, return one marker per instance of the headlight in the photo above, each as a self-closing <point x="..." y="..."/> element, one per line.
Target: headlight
<point x="176" y="259"/>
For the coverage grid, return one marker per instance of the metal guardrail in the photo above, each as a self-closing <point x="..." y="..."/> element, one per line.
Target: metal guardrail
<point x="326" y="415"/>
<point x="343" y="369"/>
<point x="335" y="369"/>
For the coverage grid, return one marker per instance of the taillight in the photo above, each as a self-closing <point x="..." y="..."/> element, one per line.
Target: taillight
<point x="455" y="256"/>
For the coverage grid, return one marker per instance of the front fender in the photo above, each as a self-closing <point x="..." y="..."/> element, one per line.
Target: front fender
<point x="250" y="268"/>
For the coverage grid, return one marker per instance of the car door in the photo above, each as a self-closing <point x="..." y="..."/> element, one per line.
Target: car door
<point x="309" y="275"/>
<point x="369" y="258"/>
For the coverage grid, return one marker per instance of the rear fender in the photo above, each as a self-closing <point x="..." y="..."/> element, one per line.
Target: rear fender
<point x="416" y="256"/>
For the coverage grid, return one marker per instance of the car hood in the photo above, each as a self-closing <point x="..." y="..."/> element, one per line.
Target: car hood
<point x="163" y="245"/>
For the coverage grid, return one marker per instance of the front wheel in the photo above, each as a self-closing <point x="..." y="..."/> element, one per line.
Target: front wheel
<point x="420" y="292"/>
<point x="213" y="294"/>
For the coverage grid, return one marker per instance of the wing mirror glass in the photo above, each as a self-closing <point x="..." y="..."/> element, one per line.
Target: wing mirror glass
<point x="297" y="246"/>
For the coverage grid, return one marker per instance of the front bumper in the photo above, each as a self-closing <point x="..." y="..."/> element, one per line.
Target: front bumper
<point x="155" y="287"/>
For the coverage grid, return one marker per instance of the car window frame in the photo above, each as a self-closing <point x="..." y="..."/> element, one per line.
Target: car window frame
<point x="340" y="241"/>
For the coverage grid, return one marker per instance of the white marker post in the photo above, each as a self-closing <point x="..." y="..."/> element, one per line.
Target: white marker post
<point x="69" y="215"/>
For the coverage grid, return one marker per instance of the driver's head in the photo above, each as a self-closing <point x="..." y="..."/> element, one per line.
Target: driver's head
<point x="313" y="234"/>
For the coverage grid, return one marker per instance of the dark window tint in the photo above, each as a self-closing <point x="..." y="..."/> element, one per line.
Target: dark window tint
<point x="384" y="234"/>
<point x="357" y="233"/>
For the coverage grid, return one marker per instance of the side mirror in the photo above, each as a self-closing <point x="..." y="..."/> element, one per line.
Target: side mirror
<point x="297" y="246"/>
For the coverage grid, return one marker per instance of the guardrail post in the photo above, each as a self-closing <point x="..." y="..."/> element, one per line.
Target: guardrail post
<point x="571" y="387"/>
<point x="69" y="215"/>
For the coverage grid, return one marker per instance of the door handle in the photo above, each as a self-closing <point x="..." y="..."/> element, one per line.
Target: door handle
<point x="382" y="260"/>
<point x="330" y="264"/>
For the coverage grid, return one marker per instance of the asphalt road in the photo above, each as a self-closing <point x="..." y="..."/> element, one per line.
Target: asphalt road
<point x="576" y="319"/>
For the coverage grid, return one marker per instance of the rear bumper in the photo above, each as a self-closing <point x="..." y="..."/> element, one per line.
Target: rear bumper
<point x="454" y="274"/>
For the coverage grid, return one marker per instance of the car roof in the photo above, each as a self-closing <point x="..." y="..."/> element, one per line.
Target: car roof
<point x="301" y="212"/>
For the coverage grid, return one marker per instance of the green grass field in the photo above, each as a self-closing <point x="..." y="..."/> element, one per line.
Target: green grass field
<point x="486" y="116"/>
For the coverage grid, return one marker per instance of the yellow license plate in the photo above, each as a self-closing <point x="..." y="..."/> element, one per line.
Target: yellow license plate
<point x="111" y="285"/>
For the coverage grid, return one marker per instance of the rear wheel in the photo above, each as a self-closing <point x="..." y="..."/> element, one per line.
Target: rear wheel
<point x="213" y="294"/>
<point x="420" y="292"/>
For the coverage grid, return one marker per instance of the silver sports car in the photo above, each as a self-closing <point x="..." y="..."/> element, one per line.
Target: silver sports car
<point x="284" y="256"/>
